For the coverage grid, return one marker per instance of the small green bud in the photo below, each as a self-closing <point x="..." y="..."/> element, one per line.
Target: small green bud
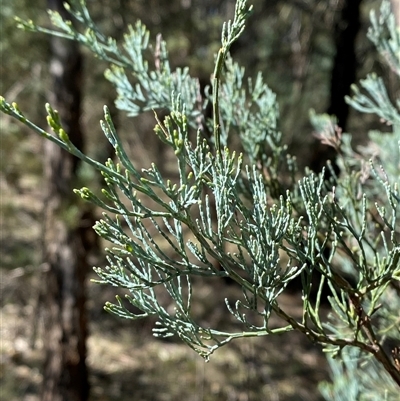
<point x="16" y="108"/>
<point x="129" y="248"/>
<point x="63" y="135"/>
<point x="84" y="193"/>
<point x="107" y="194"/>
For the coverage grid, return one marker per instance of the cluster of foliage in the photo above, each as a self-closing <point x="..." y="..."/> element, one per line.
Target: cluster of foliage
<point x="249" y="216"/>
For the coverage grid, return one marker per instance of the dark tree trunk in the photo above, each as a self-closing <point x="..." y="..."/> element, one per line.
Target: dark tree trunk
<point x="65" y="376"/>
<point x="343" y="75"/>
<point x="345" y="63"/>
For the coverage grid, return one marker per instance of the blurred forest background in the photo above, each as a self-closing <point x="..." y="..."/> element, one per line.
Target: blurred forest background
<point x="309" y="52"/>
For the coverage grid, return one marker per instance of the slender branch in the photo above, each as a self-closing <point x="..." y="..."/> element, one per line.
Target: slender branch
<point x="216" y="113"/>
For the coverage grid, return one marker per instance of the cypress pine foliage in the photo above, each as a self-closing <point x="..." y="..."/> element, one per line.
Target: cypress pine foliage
<point x="273" y="223"/>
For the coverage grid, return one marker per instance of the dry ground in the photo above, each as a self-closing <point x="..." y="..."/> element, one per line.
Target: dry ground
<point x="127" y="363"/>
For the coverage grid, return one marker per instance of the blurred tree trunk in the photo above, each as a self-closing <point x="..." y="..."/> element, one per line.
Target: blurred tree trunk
<point x="345" y="63"/>
<point x="65" y="375"/>
<point x="344" y="72"/>
<point x="396" y="10"/>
